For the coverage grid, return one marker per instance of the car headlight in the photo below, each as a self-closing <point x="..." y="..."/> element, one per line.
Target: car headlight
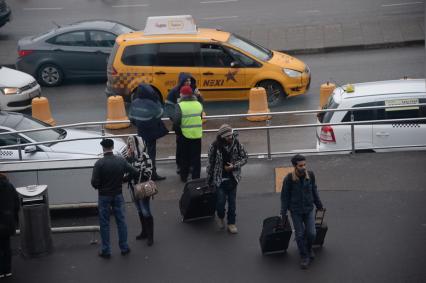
<point x="292" y="73"/>
<point x="10" y="90"/>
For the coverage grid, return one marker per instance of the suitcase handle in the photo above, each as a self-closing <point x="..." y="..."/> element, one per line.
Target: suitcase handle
<point x="319" y="216"/>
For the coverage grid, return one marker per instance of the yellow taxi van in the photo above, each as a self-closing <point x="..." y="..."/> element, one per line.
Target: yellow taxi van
<point x="225" y="65"/>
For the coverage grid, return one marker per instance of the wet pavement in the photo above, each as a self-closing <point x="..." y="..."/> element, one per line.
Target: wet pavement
<point x="375" y="213"/>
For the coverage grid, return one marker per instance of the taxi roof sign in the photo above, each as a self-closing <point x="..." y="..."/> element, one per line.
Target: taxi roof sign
<point x="182" y="24"/>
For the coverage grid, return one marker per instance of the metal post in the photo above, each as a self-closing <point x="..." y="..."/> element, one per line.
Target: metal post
<point x="352" y="133"/>
<point x="19" y="147"/>
<point x="268" y="138"/>
<point x="103" y="129"/>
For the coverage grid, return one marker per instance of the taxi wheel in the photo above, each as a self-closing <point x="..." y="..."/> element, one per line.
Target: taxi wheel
<point x="274" y="92"/>
<point x="50" y="75"/>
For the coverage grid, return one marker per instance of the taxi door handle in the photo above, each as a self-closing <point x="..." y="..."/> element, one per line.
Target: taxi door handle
<point x="160" y="73"/>
<point x="208" y="74"/>
<point x="382" y="134"/>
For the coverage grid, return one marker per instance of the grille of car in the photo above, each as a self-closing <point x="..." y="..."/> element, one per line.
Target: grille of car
<point x="2" y="6"/>
<point x="28" y="86"/>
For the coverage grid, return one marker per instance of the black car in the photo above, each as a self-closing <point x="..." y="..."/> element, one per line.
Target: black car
<point x="5" y="13"/>
<point x="78" y="50"/>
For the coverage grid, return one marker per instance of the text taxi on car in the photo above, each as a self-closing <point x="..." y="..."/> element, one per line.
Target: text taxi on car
<point x="226" y="66"/>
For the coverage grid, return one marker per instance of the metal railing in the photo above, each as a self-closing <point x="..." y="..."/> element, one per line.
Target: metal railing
<point x="269" y="127"/>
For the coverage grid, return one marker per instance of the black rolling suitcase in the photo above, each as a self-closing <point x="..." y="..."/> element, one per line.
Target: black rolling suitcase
<point x="197" y="201"/>
<point x="321" y="228"/>
<point x="275" y="235"/>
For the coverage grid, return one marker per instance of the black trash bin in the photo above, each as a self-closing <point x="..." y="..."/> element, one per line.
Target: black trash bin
<point x="34" y="221"/>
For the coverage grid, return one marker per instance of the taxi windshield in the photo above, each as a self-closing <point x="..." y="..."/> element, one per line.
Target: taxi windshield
<point x="260" y="52"/>
<point x="40" y="136"/>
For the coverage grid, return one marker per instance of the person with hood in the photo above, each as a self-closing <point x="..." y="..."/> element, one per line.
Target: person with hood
<point x="9" y="208"/>
<point x="187" y="118"/>
<point x="170" y="105"/>
<point x="226" y="156"/>
<point x="145" y="113"/>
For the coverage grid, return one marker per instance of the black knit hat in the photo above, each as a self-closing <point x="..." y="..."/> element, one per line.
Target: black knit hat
<point x="107" y="143"/>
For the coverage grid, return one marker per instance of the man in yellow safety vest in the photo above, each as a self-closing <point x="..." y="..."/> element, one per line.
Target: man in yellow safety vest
<point x="188" y="121"/>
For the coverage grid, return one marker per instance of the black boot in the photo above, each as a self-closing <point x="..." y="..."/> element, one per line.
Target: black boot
<point x="143" y="234"/>
<point x="156" y="177"/>
<point x="150" y="230"/>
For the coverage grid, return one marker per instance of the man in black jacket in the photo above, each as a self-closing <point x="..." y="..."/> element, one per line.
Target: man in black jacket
<point x="9" y="207"/>
<point x="107" y="178"/>
<point x="299" y="194"/>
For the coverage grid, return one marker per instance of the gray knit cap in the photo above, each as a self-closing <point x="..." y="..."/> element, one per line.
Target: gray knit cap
<point x="224" y="131"/>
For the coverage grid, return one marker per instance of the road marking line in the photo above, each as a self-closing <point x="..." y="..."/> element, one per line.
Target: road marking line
<point x="220" y="18"/>
<point x="39" y="9"/>
<point x="402" y="4"/>
<point x="309" y="11"/>
<point x="130" y="5"/>
<point x="218" y="1"/>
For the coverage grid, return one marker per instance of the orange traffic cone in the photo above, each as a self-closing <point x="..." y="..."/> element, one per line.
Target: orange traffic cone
<point x="325" y="91"/>
<point x="258" y="104"/>
<point x="41" y="110"/>
<point x="116" y="112"/>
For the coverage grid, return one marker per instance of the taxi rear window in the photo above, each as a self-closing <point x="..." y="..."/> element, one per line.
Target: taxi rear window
<point x="325" y="117"/>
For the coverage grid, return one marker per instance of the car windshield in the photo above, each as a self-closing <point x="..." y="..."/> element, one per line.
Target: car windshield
<point x="325" y="117"/>
<point x="260" y="52"/>
<point x="28" y="123"/>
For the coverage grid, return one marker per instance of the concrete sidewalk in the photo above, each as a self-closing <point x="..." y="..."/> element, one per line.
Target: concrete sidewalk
<point x="384" y="32"/>
<point x="375" y="213"/>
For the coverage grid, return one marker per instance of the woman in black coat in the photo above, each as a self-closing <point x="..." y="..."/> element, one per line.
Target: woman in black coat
<point x="9" y="207"/>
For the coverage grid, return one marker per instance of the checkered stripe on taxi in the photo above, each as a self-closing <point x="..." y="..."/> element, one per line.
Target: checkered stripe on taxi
<point x="128" y="81"/>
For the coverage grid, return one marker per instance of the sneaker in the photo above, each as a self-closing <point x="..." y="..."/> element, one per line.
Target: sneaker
<point x="304" y="264"/>
<point x="8" y="274"/>
<point x="158" y="178"/>
<point x="221" y="223"/>
<point x="2" y="275"/>
<point x="104" y="255"/>
<point x="311" y="255"/>
<point x="232" y="229"/>
<point x="126" y="252"/>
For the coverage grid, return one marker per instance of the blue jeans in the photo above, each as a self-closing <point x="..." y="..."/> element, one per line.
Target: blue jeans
<point x="227" y="191"/>
<point x="143" y="206"/>
<point x="116" y="203"/>
<point x="304" y="225"/>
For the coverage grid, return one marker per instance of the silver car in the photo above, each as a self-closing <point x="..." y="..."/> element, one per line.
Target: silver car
<point x="79" y="50"/>
<point x="12" y="121"/>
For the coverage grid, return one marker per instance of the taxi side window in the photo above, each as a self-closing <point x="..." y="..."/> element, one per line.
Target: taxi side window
<point x="178" y="54"/>
<point x="414" y="112"/>
<point x="245" y="60"/>
<point x="140" y="55"/>
<point x="215" y="56"/>
<point x="363" y="115"/>
<point x="10" y="139"/>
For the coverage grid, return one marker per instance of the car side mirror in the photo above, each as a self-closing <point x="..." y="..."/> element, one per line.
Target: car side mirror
<point x="30" y="149"/>
<point x="235" y="64"/>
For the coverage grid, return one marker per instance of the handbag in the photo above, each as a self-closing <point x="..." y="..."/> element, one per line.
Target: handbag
<point x="145" y="189"/>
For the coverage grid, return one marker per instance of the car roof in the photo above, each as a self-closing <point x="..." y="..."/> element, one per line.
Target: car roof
<point x="203" y="34"/>
<point x="10" y="119"/>
<point x="374" y="89"/>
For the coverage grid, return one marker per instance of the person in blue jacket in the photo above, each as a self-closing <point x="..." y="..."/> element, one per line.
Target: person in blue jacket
<point x="170" y="108"/>
<point x="145" y="113"/>
<point x="299" y="194"/>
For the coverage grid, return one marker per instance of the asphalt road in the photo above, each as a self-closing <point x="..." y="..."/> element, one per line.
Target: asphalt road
<point x="79" y="101"/>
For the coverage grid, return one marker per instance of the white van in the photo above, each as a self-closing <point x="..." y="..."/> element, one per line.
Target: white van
<point x="370" y="136"/>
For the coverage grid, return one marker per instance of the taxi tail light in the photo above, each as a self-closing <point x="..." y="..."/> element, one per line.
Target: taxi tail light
<point x="112" y="71"/>
<point x="22" y="53"/>
<point x="327" y="135"/>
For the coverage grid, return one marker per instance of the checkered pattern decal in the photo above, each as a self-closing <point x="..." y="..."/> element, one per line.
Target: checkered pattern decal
<point x="126" y="82"/>
<point x="6" y="153"/>
<point x="406" y="125"/>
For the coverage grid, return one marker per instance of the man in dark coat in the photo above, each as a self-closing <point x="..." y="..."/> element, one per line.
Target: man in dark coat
<point x="299" y="194"/>
<point x="107" y="179"/>
<point x="145" y="113"/>
<point x="184" y="79"/>
<point x="9" y="207"/>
